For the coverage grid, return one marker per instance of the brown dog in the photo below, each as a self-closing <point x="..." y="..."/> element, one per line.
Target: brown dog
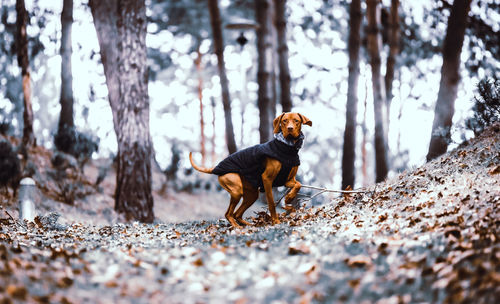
<point x="264" y="166"/>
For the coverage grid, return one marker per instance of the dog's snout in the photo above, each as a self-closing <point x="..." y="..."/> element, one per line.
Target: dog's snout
<point x="290" y="128"/>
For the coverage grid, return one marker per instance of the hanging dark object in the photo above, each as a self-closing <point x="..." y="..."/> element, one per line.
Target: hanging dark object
<point x="242" y="40"/>
<point x="242" y="25"/>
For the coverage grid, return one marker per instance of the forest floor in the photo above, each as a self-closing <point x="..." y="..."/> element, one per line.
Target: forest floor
<point x="431" y="234"/>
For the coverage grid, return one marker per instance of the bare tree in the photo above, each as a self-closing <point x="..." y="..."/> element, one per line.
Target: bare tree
<point x="284" y="76"/>
<point x="212" y="140"/>
<point x="215" y="21"/>
<point x="364" y="137"/>
<point x="29" y="139"/>
<point x="265" y="70"/>
<point x="66" y="98"/>
<point x="450" y="77"/>
<point x="199" y="70"/>
<point x="374" y="48"/>
<point x="393" y="52"/>
<point x="121" y="31"/>
<point x="349" y="151"/>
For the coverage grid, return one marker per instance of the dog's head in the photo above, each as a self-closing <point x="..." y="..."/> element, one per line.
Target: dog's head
<point x="290" y="124"/>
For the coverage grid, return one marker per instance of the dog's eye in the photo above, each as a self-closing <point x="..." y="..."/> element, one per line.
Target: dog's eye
<point x="295" y="120"/>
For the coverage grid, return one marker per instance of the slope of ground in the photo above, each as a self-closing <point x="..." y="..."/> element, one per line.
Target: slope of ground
<point x="427" y="235"/>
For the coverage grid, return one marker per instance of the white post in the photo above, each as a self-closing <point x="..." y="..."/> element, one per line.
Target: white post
<point x="26" y="199"/>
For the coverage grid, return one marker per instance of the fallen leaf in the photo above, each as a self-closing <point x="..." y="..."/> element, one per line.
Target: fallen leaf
<point x="495" y="170"/>
<point x="111" y="284"/>
<point x="359" y="261"/>
<point x="38" y="222"/>
<point x="354" y="283"/>
<point x="17" y="292"/>
<point x="382" y="218"/>
<point x="64" y="282"/>
<point x="298" y="249"/>
<point x="198" y="262"/>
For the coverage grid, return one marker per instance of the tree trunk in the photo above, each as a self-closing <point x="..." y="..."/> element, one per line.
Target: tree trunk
<point x="391" y="59"/>
<point x="197" y="63"/>
<point x="212" y="103"/>
<point x="105" y="23"/>
<point x="364" y="132"/>
<point x="219" y="51"/>
<point x="274" y="61"/>
<point x="286" y="99"/>
<point x="23" y="61"/>
<point x="66" y="98"/>
<point x="265" y="69"/>
<point x="374" y="48"/>
<point x="349" y="153"/>
<point x="121" y="31"/>
<point x="450" y="77"/>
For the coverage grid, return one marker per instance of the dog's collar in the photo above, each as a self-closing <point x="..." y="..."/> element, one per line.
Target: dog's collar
<point x="296" y="142"/>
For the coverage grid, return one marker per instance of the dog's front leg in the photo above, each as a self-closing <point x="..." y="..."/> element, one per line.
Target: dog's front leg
<point x="293" y="184"/>
<point x="272" y="168"/>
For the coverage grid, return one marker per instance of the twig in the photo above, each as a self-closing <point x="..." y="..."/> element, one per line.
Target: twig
<point x="323" y="190"/>
<point x="10" y="216"/>
<point x="286" y="192"/>
<point x="309" y="198"/>
<point x="338" y="191"/>
<point x="17" y="222"/>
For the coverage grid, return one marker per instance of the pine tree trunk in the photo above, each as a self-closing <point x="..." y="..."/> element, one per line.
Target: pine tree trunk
<point x="23" y="61"/>
<point x="284" y="77"/>
<point x="66" y="98"/>
<point x="265" y="69"/>
<point x="121" y="30"/>
<point x="391" y="59"/>
<point x="349" y="151"/>
<point x="374" y="48"/>
<point x="219" y="51"/>
<point x="450" y="77"/>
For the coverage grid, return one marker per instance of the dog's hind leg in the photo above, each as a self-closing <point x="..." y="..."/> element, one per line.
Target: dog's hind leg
<point x="232" y="183"/>
<point x="250" y="195"/>
<point x="230" y="211"/>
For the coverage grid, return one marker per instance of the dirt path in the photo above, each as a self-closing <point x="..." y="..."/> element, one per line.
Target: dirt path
<point x="428" y="235"/>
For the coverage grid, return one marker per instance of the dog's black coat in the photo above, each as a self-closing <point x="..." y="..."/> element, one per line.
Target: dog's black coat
<point x="249" y="162"/>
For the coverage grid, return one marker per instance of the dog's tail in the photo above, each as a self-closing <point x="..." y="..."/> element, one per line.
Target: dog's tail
<point x="201" y="169"/>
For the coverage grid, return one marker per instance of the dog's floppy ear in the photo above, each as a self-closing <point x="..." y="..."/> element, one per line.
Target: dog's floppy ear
<point x="305" y="120"/>
<point x="277" y="122"/>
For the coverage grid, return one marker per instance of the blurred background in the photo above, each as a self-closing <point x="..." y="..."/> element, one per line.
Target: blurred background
<point x="185" y="100"/>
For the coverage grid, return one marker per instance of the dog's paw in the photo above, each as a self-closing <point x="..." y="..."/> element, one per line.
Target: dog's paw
<point x="244" y="223"/>
<point x="289" y="209"/>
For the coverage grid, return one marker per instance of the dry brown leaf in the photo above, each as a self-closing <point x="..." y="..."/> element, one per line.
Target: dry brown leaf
<point x="382" y="218"/>
<point x="298" y="249"/>
<point x="64" y="282"/>
<point x="359" y="261"/>
<point x="354" y="283"/>
<point x="198" y="262"/>
<point x="111" y="284"/>
<point x="38" y="222"/>
<point x="495" y="170"/>
<point x="17" y="292"/>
